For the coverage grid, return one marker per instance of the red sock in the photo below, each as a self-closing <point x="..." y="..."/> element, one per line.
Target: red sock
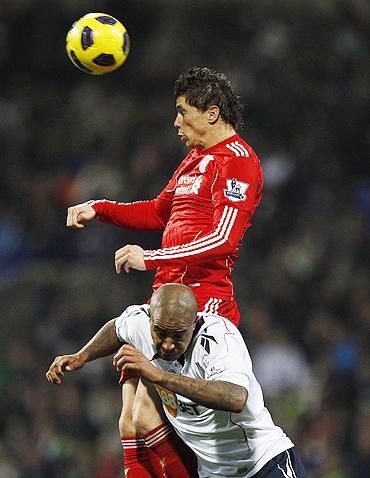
<point x="140" y="461"/>
<point x="177" y="458"/>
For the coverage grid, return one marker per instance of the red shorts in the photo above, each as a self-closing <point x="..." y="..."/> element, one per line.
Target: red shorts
<point x="226" y="308"/>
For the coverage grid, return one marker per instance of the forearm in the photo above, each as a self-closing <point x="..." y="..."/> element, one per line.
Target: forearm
<point x="139" y="215"/>
<point x="105" y="342"/>
<point x="221" y="242"/>
<point x="162" y="258"/>
<point x="217" y="394"/>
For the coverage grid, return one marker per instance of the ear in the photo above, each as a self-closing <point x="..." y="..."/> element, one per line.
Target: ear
<point x="213" y="114"/>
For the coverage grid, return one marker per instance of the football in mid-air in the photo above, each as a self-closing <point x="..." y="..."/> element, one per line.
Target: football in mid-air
<point x="97" y="43"/>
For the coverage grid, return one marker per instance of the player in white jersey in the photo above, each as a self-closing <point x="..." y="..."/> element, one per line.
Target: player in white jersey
<point x="203" y="373"/>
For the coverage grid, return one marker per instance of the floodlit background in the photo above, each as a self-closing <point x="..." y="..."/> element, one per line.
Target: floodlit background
<point x="303" y="70"/>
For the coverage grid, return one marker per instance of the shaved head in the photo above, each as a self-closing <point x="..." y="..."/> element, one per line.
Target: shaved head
<point x="176" y="302"/>
<point x="173" y="314"/>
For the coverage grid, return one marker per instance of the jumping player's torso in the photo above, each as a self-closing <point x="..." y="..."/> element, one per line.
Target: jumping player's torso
<point x="219" y="177"/>
<point x="192" y="209"/>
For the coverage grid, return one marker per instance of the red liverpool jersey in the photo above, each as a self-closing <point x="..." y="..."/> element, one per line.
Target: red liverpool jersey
<point x="204" y="212"/>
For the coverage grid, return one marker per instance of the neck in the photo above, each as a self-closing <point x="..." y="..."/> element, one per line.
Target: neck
<point x="217" y="134"/>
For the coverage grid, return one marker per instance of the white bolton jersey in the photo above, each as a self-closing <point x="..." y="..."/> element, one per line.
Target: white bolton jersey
<point x="226" y="444"/>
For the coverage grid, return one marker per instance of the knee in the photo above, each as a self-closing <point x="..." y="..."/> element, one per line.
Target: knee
<point x="141" y="410"/>
<point x="141" y="420"/>
<point x="138" y="419"/>
<point x="145" y="417"/>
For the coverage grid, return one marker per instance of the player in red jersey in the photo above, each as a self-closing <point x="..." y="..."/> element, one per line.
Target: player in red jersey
<point x="203" y="212"/>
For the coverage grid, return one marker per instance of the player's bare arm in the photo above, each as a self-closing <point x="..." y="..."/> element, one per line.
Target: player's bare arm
<point x="79" y="214"/>
<point x="214" y="394"/>
<point x="62" y="364"/>
<point x="104" y="343"/>
<point x="129" y="257"/>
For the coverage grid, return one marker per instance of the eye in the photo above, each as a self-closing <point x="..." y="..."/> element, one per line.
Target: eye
<point x="178" y="337"/>
<point x="159" y="334"/>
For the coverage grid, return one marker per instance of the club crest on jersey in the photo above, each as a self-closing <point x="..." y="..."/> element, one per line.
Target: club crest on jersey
<point x="204" y="162"/>
<point x="188" y="185"/>
<point x="235" y="190"/>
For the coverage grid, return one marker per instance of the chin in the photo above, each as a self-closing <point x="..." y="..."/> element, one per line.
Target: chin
<point x="189" y="144"/>
<point x="169" y="358"/>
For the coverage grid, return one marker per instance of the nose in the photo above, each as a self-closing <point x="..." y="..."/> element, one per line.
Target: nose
<point x="177" y="121"/>
<point x="168" y="344"/>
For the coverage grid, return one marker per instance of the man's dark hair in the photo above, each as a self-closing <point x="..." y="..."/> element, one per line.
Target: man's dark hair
<point x="203" y="88"/>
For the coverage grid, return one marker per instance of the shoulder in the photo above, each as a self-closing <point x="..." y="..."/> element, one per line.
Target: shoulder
<point x="133" y="327"/>
<point x="133" y="315"/>
<point x="213" y="331"/>
<point x="219" y="349"/>
<point x="236" y="153"/>
<point x="135" y="310"/>
<point x="239" y="148"/>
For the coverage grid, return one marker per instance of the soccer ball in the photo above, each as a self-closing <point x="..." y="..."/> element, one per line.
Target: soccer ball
<point x="97" y="43"/>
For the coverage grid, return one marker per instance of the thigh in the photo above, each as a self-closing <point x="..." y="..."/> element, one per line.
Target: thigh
<point x="286" y="465"/>
<point x="128" y="391"/>
<point x="147" y="411"/>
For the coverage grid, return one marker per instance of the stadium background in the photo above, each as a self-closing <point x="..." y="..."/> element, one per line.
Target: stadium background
<point x="303" y="70"/>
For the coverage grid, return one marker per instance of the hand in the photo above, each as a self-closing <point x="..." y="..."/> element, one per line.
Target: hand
<point x="129" y="358"/>
<point x="77" y="215"/>
<point x="61" y="364"/>
<point x="130" y="257"/>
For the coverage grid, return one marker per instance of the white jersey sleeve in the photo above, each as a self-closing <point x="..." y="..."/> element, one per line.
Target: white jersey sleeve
<point x="222" y="354"/>
<point x="133" y="327"/>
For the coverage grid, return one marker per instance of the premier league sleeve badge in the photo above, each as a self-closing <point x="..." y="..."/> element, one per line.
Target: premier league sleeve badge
<point x="235" y="190"/>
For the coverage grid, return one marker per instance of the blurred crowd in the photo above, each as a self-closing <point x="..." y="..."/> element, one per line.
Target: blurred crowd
<point x="303" y="279"/>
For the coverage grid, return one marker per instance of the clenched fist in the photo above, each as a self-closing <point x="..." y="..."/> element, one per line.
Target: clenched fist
<point x="79" y="214"/>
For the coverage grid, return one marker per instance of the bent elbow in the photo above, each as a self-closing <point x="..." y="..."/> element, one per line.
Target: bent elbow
<point x="230" y="246"/>
<point x="227" y="249"/>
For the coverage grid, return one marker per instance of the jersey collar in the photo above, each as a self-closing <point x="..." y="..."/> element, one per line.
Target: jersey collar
<point x="217" y="146"/>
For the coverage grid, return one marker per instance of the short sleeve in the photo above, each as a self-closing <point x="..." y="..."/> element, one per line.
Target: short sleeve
<point x="123" y="324"/>
<point x="225" y="357"/>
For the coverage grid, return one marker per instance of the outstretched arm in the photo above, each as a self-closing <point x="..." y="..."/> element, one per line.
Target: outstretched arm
<point x="139" y="215"/>
<point x="104" y="343"/>
<point x="215" y="394"/>
<point x="149" y="215"/>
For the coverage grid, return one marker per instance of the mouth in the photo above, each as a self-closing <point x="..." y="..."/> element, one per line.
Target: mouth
<point x="168" y="357"/>
<point x="182" y="136"/>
